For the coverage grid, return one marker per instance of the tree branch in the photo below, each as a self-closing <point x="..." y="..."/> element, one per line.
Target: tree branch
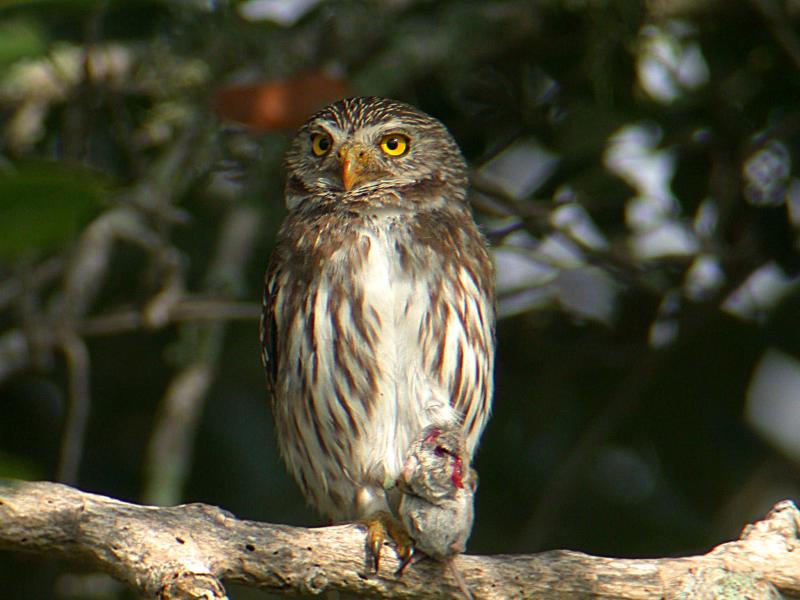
<point x="183" y="552"/>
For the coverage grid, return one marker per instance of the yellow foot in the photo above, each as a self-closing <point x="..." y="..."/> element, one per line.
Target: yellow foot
<point x="380" y="527"/>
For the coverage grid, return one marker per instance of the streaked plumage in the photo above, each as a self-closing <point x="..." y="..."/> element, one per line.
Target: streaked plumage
<point x="378" y="303"/>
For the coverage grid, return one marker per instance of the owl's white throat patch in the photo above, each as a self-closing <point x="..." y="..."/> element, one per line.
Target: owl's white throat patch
<point x="410" y="400"/>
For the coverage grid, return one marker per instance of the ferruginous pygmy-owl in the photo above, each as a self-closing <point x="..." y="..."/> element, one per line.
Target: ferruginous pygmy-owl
<point x="378" y="304"/>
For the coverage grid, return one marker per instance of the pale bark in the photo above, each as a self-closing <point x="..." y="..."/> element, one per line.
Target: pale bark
<point x="186" y="552"/>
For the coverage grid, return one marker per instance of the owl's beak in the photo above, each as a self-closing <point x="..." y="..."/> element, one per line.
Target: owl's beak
<point x="354" y="162"/>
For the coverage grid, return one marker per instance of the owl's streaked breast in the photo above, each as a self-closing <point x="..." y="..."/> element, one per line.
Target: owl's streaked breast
<point x="390" y="349"/>
<point x="394" y="300"/>
<point x="378" y="303"/>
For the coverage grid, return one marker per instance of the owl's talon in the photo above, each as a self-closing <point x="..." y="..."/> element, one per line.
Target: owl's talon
<point x="376" y="533"/>
<point x="383" y="526"/>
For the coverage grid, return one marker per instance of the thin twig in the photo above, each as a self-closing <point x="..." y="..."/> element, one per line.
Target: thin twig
<point x="780" y="24"/>
<point x="37" y="277"/>
<point x="169" y="450"/>
<point x="186" y="309"/>
<point x="536" y="218"/>
<point x="72" y="439"/>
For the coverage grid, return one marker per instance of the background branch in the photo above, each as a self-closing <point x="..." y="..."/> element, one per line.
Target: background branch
<point x="78" y="366"/>
<point x="184" y="552"/>
<point x="169" y="450"/>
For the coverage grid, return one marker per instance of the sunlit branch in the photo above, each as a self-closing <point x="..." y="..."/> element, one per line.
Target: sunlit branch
<point x="185" y="552"/>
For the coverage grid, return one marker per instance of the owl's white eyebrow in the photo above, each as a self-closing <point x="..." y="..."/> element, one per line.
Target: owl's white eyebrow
<point x="367" y="132"/>
<point x="323" y="127"/>
<point x="370" y="132"/>
<point x="395" y="125"/>
<point x="329" y="128"/>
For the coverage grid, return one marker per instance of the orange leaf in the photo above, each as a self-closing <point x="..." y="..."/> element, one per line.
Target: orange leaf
<point x="278" y="105"/>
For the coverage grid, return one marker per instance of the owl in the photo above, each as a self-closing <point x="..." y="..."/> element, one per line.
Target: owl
<point x="379" y="306"/>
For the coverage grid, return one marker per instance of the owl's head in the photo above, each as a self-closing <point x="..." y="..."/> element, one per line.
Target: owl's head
<point x="374" y="149"/>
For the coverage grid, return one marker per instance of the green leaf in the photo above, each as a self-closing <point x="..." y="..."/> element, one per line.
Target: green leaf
<point x="20" y="38"/>
<point x="16" y="467"/>
<point x="52" y="5"/>
<point x="42" y="206"/>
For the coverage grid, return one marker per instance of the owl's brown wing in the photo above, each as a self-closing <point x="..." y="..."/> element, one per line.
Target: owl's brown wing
<point x="471" y="384"/>
<point x="268" y="326"/>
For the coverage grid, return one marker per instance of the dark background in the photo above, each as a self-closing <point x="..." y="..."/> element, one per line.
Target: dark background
<point x="634" y="164"/>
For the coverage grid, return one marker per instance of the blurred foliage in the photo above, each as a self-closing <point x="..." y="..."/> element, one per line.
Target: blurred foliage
<point x="44" y="206"/>
<point x="635" y="166"/>
<point x="20" y="39"/>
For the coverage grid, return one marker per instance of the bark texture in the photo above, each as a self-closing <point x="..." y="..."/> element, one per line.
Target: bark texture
<point x="186" y="552"/>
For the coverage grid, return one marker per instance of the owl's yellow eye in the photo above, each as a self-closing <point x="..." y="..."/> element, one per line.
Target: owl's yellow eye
<point x="320" y="144"/>
<point x="394" y="144"/>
